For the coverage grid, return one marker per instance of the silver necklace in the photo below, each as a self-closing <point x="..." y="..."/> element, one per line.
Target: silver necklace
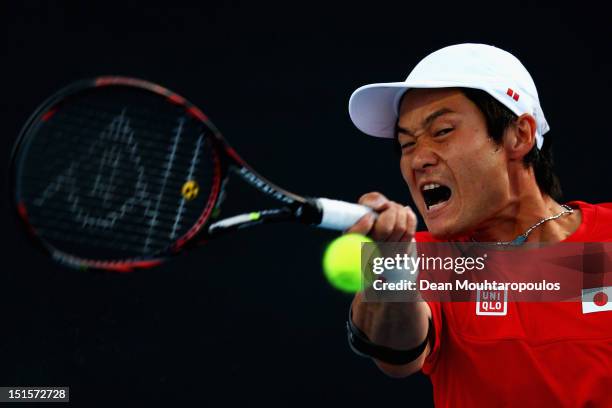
<point x="523" y="237"/>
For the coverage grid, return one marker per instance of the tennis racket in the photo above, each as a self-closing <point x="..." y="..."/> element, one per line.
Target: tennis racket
<point x="118" y="173"/>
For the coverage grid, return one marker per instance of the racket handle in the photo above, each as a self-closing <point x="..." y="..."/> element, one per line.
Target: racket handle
<point x="340" y="215"/>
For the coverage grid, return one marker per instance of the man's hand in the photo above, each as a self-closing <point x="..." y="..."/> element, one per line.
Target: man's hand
<point x="398" y="325"/>
<point x="395" y="223"/>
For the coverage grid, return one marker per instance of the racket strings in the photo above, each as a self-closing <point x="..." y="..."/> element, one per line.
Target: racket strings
<point x="75" y="132"/>
<point x="107" y="180"/>
<point x="92" y="170"/>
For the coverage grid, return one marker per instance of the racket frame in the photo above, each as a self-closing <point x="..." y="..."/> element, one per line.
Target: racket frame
<point x="226" y="160"/>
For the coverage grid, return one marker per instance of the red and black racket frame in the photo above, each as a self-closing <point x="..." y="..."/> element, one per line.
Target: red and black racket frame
<point x="225" y="161"/>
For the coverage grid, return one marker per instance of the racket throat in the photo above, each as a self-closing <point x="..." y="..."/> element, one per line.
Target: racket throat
<point x="251" y="219"/>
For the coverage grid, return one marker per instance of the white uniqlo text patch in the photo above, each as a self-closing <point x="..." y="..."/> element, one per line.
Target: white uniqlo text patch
<point x="597" y="300"/>
<point x="492" y="302"/>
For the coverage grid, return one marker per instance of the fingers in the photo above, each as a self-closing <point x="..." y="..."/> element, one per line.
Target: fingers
<point x="375" y="200"/>
<point x="363" y="226"/>
<point x="399" y="227"/>
<point x="411" y="225"/>
<point x="385" y="224"/>
<point x="395" y="223"/>
<point x="378" y="203"/>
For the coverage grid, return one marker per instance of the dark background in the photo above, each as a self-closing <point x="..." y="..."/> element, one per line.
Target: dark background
<point x="250" y="318"/>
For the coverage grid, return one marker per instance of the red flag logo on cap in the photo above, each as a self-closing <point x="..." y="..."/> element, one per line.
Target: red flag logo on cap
<point x="513" y="94"/>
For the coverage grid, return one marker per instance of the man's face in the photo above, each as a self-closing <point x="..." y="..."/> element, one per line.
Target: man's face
<point x="457" y="175"/>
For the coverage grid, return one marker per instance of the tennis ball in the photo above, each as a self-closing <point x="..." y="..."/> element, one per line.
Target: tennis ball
<point x="342" y="262"/>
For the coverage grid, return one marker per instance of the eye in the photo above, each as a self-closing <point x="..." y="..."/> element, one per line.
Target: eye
<point x="443" y="132"/>
<point x="406" y="145"/>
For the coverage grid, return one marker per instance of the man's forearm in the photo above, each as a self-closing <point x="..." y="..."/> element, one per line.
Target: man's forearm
<point x="398" y="325"/>
<point x="402" y="326"/>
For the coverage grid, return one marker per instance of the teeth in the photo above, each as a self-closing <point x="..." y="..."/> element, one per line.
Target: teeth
<point x="430" y="186"/>
<point x="433" y="207"/>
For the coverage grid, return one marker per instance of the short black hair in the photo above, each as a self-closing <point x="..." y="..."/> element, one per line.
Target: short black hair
<point x="498" y="118"/>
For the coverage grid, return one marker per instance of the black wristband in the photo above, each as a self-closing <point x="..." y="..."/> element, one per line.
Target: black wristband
<point x="361" y="345"/>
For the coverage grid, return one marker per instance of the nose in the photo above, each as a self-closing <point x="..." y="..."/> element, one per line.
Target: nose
<point x="423" y="156"/>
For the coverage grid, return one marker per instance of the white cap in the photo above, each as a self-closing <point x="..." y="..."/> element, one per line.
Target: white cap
<point x="374" y="108"/>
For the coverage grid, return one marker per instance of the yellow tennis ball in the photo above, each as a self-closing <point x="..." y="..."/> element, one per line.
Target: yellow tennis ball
<point x="342" y="262"/>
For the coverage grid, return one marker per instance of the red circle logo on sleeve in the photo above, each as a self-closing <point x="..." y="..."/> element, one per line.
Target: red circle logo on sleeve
<point x="600" y="299"/>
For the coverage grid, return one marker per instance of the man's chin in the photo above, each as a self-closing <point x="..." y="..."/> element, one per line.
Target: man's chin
<point x="444" y="232"/>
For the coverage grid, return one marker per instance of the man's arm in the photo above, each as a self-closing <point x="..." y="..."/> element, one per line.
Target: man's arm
<point x="400" y="326"/>
<point x="397" y="325"/>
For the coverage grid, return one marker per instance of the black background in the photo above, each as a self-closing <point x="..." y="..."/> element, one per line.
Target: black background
<point x="250" y="318"/>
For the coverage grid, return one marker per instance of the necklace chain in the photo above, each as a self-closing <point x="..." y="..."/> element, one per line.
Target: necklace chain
<point x="523" y="237"/>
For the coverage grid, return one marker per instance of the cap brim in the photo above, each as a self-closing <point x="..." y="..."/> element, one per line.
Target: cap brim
<point x="373" y="108"/>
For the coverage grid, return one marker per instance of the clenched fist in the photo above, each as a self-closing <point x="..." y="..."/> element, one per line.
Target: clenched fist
<point x="395" y="223"/>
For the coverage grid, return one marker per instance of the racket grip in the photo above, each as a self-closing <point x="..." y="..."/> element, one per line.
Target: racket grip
<point x="340" y="215"/>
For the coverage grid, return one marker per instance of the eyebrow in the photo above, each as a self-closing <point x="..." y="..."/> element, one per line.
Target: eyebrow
<point x="428" y="120"/>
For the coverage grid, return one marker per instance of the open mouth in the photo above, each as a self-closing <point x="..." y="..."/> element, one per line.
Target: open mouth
<point x="435" y="195"/>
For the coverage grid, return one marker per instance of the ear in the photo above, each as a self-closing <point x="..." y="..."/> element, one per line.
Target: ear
<point x="520" y="138"/>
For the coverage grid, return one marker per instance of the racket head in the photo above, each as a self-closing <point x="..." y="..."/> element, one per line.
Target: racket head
<point x="116" y="173"/>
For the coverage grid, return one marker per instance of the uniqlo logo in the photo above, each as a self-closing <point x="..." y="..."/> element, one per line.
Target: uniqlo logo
<point x="492" y="302"/>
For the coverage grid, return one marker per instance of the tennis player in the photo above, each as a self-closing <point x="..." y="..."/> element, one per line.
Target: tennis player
<point x="476" y="157"/>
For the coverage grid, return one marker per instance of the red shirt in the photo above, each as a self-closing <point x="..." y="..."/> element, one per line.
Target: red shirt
<point x="537" y="355"/>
